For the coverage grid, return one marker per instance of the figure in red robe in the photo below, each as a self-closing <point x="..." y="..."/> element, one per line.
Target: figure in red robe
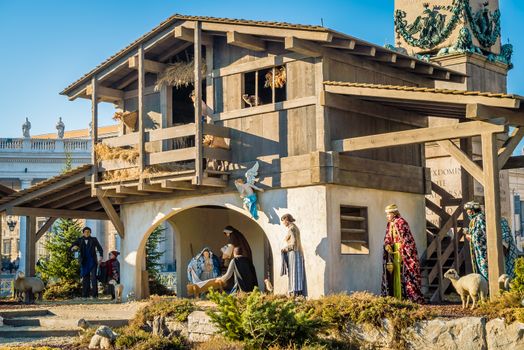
<point x="401" y="266"/>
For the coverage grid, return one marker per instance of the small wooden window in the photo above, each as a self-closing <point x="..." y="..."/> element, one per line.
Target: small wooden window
<point x="354" y="230"/>
<point x="264" y="86"/>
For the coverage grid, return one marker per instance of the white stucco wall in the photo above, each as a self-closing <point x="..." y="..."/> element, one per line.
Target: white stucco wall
<point x="364" y="272"/>
<point x="316" y="210"/>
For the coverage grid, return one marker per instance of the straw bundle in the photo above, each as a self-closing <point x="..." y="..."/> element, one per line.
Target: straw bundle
<point x="178" y="74"/>
<point x="280" y="78"/>
<point x="128" y="118"/>
<point x="148" y="173"/>
<point x="105" y="152"/>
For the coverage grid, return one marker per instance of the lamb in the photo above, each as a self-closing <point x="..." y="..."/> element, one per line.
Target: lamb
<point x="118" y="290"/>
<point x="472" y="285"/>
<point x="23" y="284"/>
<point x="504" y="283"/>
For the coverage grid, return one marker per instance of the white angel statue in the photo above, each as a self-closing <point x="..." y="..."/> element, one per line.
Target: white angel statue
<point x="246" y="190"/>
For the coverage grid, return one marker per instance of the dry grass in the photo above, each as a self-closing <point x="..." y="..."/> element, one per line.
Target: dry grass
<point x="178" y="74"/>
<point x="105" y="152"/>
<point x="128" y="118"/>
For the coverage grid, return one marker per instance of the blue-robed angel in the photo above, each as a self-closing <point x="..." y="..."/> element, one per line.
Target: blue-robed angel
<point x="204" y="266"/>
<point x="247" y="193"/>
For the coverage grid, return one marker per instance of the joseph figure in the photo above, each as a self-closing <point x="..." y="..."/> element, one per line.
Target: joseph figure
<point x="401" y="266"/>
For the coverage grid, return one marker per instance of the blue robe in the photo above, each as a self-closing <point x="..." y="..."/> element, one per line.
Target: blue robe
<point x="251" y="203"/>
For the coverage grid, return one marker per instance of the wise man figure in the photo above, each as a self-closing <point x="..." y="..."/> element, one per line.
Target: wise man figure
<point x="401" y="274"/>
<point x="477" y="238"/>
<point x="509" y="247"/>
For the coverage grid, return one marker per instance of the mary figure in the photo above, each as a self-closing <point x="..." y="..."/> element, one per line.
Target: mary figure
<point x="204" y="266"/>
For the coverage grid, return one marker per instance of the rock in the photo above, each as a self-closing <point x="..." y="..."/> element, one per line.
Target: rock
<point x="177" y="328"/>
<point x="159" y="326"/>
<point x="460" y="334"/>
<point x="368" y="336"/>
<point x="105" y="343"/>
<point x="200" y="327"/>
<point x="95" y="342"/>
<point x="501" y="336"/>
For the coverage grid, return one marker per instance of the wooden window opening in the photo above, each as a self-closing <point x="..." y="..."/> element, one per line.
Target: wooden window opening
<point x="354" y="235"/>
<point x="264" y="86"/>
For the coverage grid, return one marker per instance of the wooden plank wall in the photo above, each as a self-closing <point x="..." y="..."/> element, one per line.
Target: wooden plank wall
<point x="282" y="133"/>
<point x="345" y="124"/>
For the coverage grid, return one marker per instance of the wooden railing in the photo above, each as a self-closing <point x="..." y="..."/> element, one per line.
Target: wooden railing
<point x="181" y="148"/>
<point x="446" y="247"/>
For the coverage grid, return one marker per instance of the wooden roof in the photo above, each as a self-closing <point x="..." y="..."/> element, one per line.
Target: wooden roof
<point x="436" y="102"/>
<point x="66" y="195"/>
<point x="5" y="191"/>
<point x="161" y="39"/>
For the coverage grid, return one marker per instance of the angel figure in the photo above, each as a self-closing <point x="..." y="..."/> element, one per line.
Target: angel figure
<point x="246" y="190"/>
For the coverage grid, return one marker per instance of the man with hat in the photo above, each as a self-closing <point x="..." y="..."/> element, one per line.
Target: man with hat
<point x="88" y="261"/>
<point x="401" y="274"/>
<point x="477" y="237"/>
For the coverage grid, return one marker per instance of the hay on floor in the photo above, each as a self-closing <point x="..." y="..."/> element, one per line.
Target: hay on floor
<point x="105" y="152"/>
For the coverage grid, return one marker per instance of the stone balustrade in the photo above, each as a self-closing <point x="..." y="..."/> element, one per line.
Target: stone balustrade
<point x="44" y="145"/>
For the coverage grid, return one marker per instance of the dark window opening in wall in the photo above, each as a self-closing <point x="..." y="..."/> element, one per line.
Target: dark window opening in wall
<point x="264" y="86"/>
<point x="354" y="235"/>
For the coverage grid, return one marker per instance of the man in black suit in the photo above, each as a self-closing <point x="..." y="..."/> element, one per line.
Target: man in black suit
<point x="88" y="262"/>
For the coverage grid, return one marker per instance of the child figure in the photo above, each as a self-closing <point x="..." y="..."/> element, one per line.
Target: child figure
<point x="113" y="271"/>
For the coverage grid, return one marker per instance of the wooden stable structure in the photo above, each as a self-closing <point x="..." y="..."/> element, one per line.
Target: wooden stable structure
<point x="348" y="116"/>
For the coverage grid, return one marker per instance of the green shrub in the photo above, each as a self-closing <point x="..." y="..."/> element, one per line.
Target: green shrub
<point x="128" y="337"/>
<point x="261" y="322"/>
<point x="506" y="306"/>
<point x="517" y="284"/>
<point x="62" y="290"/>
<point x="219" y="343"/>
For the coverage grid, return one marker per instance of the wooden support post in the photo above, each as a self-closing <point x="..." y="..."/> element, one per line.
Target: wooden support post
<point x="141" y="111"/>
<point x="113" y="215"/>
<point x="94" y="130"/>
<point x="198" y="102"/>
<point x="29" y="256"/>
<point x="467" y="186"/>
<point x="210" y="87"/>
<point x="463" y="159"/>
<point x="492" y="207"/>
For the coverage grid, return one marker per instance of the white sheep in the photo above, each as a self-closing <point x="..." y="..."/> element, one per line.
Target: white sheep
<point x="23" y="284"/>
<point x="504" y="283"/>
<point x="472" y="285"/>
<point x="119" y="288"/>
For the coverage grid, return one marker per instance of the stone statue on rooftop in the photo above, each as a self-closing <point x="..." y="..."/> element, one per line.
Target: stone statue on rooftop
<point x="26" y="127"/>
<point x="60" y="127"/>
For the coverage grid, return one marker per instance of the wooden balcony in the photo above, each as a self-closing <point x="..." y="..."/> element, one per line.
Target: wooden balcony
<point x="168" y="162"/>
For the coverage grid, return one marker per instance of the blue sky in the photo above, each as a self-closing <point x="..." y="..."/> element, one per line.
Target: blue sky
<point x="46" y="45"/>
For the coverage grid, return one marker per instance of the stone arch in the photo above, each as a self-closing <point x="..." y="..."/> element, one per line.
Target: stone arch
<point x="260" y="250"/>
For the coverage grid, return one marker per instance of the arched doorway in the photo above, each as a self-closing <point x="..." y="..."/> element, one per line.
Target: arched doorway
<point x="201" y="226"/>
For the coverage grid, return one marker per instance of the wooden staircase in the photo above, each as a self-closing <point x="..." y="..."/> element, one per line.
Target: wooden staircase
<point x="446" y="245"/>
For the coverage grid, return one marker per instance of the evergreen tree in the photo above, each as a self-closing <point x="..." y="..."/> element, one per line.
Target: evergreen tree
<point x="68" y="165"/>
<point x="61" y="264"/>
<point x="153" y="253"/>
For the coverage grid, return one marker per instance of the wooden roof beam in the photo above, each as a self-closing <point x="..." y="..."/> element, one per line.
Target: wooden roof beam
<point x="339" y="43"/>
<point x="404" y="62"/>
<point x="149" y="65"/>
<point x="479" y="111"/>
<point x="415" y="136"/>
<point x="177" y="185"/>
<point x="187" y="34"/>
<point x="45" y="227"/>
<point x="303" y="47"/>
<point x="388" y="57"/>
<point x="507" y="149"/>
<point x="153" y="188"/>
<point x="105" y="93"/>
<point x="245" y="41"/>
<point x="83" y="203"/>
<point x="469" y="165"/>
<point x="174" y="50"/>
<point x="71" y="199"/>
<point x="60" y="195"/>
<point x="423" y="96"/>
<point x="58" y="213"/>
<point x="424" y="69"/>
<point x="441" y="74"/>
<point x="364" y="50"/>
<point x="130" y="191"/>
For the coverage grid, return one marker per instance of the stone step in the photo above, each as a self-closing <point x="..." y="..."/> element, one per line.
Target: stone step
<point x="25" y="313"/>
<point x="35" y="332"/>
<point x="54" y="321"/>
